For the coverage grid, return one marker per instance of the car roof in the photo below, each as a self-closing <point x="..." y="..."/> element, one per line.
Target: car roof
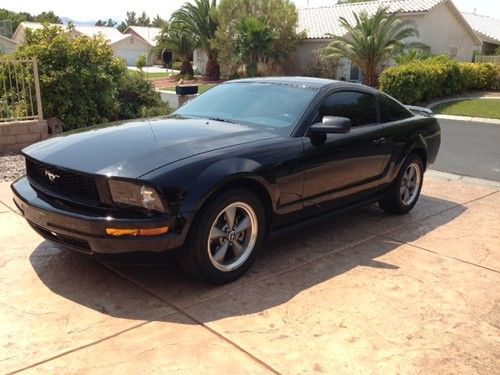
<point x="306" y="82"/>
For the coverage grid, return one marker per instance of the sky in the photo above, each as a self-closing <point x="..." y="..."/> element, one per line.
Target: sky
<point x="101" y="9"/>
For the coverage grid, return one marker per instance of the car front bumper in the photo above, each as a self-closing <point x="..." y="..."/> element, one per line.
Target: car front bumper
<point x="85" y="231"/>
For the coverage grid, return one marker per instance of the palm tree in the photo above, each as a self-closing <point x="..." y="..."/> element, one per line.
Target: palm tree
<point x="180" y="42"/>
<point x="253" y="43"/>
<point x="371" y="41"/>
<point x="200" y="18"/>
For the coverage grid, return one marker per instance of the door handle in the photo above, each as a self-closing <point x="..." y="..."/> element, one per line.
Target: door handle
<point x="380" y="141"/>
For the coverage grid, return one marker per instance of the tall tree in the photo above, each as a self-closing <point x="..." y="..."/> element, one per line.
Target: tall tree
<point x="108" y="23"/>
<point x="143" y="20"/>
<point x="181" y="42"/>
<point x="158" y="22"/>
<point x="253" y="43"/>
<point x="131" y="19"/>
<point x="49" y="17"/>
<point x="370" y="41"/>
<point x="281" y="19"/>
<point x="200" y="18"/>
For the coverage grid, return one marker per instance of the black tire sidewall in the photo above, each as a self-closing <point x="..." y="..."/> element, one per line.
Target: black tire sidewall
<point x="198" y="245"/>
<point x="392" y="202"/>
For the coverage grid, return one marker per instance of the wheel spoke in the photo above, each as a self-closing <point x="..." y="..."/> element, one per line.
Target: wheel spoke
<point x="411" y="173"/>
<point x="237" y="248"/>
<point x="216" y="233"/>
<point x="406" y="195"/>
<point x="230" y="213"/>
<point x="243" y="225"/>
<point x="220" y="253"/>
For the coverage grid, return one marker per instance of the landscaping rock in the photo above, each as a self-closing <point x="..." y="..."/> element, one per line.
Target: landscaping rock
<point x="11" y="166"/>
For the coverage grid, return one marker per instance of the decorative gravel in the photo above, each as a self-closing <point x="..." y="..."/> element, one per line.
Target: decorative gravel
<point x="11" y="167"/>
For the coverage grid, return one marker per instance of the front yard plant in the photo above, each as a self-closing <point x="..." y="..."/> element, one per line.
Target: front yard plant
<point x="439" y="76"/>
<point x="370" y="41"/>
<point x="81" y="82"/>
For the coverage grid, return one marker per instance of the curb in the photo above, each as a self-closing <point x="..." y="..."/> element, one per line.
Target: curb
<point x="433" y="104"/>
<point x="491" y="121"/>
<point x="466" y="179"/>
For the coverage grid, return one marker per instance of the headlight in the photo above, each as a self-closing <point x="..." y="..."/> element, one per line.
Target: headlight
<point x="135" y="195"/>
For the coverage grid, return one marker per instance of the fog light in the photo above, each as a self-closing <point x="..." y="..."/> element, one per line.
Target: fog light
<point x="134" y="232"/>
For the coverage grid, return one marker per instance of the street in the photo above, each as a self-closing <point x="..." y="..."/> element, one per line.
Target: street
<point x="469" y="148"/>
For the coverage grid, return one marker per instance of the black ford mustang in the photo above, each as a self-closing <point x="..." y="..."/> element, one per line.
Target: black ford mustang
<point x="213" y="180"/>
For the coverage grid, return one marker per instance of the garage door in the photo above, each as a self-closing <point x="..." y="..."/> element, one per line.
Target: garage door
<point x="129" y="55"/>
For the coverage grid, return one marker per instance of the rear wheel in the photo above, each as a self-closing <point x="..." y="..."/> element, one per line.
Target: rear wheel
<point x="405" y="191"/>
<point x="225" y="237"/>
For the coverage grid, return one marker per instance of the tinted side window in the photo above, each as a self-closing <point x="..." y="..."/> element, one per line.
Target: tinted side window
<point x="390" y="110"/>
<point x="357" y="106"/>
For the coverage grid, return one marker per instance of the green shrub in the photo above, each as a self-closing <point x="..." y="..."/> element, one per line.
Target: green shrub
<point x="77" y="75"/>
<point x="176" y="65"/>
<point x="138" y="98"/>
<point x="421" y="81"/>
<point x="82" y="83"/>
<point x="141" y="61"/>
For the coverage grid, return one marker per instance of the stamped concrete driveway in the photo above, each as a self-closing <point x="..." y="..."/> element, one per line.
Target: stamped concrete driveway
<point x="364" y="293"/>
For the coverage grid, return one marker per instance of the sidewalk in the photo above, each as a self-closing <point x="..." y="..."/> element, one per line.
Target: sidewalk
<point x="482" y="120"/>
<point x="362" y="293"/>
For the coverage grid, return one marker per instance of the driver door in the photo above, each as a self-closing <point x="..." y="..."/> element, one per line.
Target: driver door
<point x="344" y="164"/>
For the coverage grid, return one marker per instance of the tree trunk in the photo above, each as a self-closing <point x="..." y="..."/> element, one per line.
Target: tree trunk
<point x="212" y="69"/>
<point x="186" y="69"/>
<point x="370" y="76"/>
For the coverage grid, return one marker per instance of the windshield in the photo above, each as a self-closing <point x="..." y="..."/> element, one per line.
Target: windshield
<point x="263" y="105"/>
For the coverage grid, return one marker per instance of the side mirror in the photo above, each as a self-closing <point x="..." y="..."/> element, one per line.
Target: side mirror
<point x="331" y="125"/>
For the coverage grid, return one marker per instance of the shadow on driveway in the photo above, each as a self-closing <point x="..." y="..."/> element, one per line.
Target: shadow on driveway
<point x="99" y="286"/>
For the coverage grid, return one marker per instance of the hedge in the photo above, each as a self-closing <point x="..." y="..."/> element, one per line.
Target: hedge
<point x="439" y="76"/>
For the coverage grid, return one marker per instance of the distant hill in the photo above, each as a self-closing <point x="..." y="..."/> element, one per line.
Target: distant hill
<point x="66" y="20"/>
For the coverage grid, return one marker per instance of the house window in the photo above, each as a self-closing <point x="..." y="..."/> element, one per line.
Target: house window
<point x="132" y="40"/>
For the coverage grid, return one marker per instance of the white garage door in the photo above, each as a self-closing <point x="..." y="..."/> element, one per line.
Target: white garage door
<point x="129" y="55"/>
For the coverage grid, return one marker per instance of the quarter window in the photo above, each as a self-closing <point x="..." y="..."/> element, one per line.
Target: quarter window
<point x="391" y="110"/>
<point x="359" y="107"/>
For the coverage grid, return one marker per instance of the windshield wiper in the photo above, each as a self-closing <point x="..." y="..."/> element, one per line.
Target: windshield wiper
<point x="220" y="119"/>
<point x="175" y="115"/>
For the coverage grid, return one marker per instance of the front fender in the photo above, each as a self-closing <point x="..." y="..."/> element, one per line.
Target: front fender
<point x="216" y="176"/>
<point x="222" y="173"/>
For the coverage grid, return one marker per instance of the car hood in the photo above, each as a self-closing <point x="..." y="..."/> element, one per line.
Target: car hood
<point x="133" y="149"/>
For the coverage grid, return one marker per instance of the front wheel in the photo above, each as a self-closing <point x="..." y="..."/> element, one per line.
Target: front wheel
<point x="225" y="237"/>
<point x="405" y="190"/>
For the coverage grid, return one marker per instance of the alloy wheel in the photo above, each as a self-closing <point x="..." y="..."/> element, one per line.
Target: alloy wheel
<point x="232" y="236"/>
<point x="410" y="184"/>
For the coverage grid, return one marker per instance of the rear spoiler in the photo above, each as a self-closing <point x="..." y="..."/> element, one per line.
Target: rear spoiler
<point x="419" y="110"/>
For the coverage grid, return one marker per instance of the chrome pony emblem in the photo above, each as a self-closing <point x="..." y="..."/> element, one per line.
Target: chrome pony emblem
<point x="52" y="176"/>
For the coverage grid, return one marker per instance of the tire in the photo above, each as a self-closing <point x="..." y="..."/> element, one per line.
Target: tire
<point x="397" y="202"/>
<point x="215" y="254"/>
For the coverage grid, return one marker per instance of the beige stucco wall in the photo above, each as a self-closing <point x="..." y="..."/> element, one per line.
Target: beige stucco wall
<point x="200" y="59"/>
<point x="445" y="33"/>
<point x="6" y="46"/>
<point x="440" y="29"/>
<point x="130" y="49"/>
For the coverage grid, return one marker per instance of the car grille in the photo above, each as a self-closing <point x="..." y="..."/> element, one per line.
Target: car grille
<point x="65" y="184"/>
<point x="63" y="239"/>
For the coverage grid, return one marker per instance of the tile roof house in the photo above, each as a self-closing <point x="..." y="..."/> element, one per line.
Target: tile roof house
<point x="441" y="26"/>
<point x="126" y="46"/>
<point x="18" y="35"/>
<point x="149" y="35"/>
<point x="487" y="29"/>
